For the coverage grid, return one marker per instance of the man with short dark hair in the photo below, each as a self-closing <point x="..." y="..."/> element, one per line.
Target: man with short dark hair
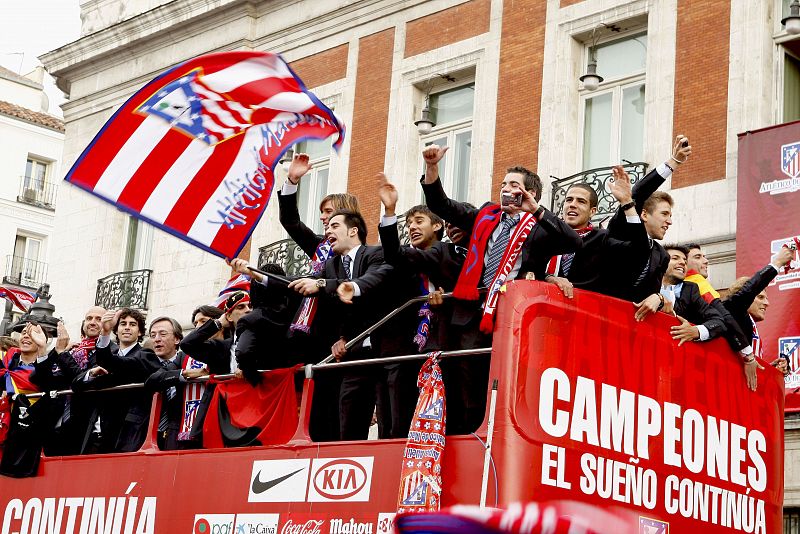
<point x="348" y="304"/>
<point x="507" y="241"/>
<point x="686" y="302"/>
<point x="591" y="267"/>
<point x="129" y="327"/>
<point x="697" y="271"/>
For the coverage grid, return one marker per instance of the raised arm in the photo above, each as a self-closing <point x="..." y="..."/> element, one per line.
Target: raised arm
<point x="289" y="215"/>
<point x="452" y="211"/>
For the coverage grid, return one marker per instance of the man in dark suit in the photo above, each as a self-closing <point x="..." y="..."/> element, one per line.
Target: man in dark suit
<point x="747" y="302"/>
<point x="590" y="267"/>
<point x="699" y="320"/>
<point x="129" y="328"/>
<point x="349" y="302"/>
<point x="507" y="241"/>
<point x="114" y="368"/>
<point x="500" y="248"/>
<point x="641" y="282"/>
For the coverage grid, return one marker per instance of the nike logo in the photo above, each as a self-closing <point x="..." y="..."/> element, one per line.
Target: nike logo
<point x="261" y="487"/>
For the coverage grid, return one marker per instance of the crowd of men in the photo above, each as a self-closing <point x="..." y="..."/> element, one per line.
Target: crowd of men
<point x="280" y="322"/>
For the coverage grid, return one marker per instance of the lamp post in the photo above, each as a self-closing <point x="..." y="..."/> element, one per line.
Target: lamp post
<point x="425" y="124"/>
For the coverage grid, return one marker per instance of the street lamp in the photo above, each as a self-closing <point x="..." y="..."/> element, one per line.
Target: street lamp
<point x="591" y="80"/>
<point x="41" y="313"/>
<point x="792" y="21"/>
<point x="425" y="124"/>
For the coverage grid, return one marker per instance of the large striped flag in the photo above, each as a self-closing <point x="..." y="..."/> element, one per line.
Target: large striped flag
<point x="193" y="151"/>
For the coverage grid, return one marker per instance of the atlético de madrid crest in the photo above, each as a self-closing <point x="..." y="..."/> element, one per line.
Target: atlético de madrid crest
<point x="790" y="159"/>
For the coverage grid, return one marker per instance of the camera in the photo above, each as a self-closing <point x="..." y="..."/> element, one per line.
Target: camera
<point x="511" y="199"/>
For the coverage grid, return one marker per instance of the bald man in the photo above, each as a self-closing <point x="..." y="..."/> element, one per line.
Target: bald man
<point x="79" y="428"/>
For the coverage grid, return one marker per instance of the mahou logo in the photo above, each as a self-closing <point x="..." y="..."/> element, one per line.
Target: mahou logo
<point x="311" y="526"/>
<point x="340" y="479"/>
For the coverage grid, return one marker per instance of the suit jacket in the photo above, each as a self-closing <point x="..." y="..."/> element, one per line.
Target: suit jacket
<point x="262" y="334"/>
<point x="132" y="368"/>
<point x="658" y="257"/>
<point x="594" y="266"/>
<point x="549" y="237"/>
<point x="441" y="263"/>
<point x="113" y="406"/>
<point x="169" y="375"/>
<point x="336" y="319"/>
<point x="692" y="307"/>
<point x="738" y="303"/>
<point x="289" y="216"/>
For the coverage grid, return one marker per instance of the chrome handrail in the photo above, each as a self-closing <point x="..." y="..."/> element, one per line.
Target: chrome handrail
<point x="229" y="376"/>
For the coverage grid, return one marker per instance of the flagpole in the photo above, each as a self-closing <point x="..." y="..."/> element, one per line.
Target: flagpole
<point x="277" y="277"/>
<point x="487" y="455"/>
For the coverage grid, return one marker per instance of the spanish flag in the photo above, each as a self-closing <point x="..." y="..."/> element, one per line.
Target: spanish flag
<point x="707" y="291"/>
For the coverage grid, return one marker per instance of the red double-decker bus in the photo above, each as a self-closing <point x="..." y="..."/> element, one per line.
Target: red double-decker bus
<point x="589" y="406"/>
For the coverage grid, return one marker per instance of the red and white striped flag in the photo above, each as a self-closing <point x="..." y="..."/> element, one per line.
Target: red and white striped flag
<point x="19" y="297"/>
<point x="193" y="151"/>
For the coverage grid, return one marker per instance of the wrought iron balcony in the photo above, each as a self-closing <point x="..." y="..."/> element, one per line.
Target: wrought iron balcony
<point x="37" y="192"/>
<point x="128" y="289"/>
<point x="288" y="255"/>
<point x="597" y="179"/>
<point x="25" y="272"/>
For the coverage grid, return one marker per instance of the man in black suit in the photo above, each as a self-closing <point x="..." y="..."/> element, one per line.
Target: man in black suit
<point x="686" y="302"/>
<point x="129" y="328"/>
<point x="112" y="368"/>
<point x="590" y="267"/>
<point x="641" y="283"/>
<point x="747" y="302"/>
<point x="507" y="241"/>
<point x="349" y="302"/>
<point x="491" y="236"/>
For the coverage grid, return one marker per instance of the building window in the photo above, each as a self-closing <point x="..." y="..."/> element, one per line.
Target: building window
<point x="138" y="245"/>
<point x="613" y="115"/>
<point x="314" y="186"/>
<point x="452" y="111"/>
<point x="791" y="81"/>
<point x="35" y="174"/>
<point x="24" y="266"/>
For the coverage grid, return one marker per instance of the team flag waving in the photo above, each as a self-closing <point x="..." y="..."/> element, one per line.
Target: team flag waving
<point x="21" y="298"/>
<point x="193" y="151"/>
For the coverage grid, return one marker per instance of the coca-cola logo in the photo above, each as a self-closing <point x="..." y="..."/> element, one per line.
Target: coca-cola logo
<point x="340" y="479"/>
<point x="312" y="526"/>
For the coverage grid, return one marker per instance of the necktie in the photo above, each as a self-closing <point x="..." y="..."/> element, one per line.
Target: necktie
<point x="169" y="394"/>
<point x="346" y="261"/>
<point x="497" y="250"/>
<point x="641" y="276"/>
<point x="566" y="263"/>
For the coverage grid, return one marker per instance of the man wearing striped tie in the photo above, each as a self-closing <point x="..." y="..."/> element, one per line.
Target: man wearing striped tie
<point x="507" y="241"/>
<point x="747" y="302"/>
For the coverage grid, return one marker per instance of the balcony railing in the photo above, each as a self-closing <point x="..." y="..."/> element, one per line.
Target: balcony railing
<point x="288" y="255"/>
<point x="597" y="179"/>
<point x="25" y="272"/>
<point x="37" y="192"/>
<point x="128" y="289"/>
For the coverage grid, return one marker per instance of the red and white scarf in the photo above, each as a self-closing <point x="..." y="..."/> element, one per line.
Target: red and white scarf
<point x="308" y="307"/>
<point x="192" y="394"/>
<point x="421" y="471"/>
<point x="758" y="350"/>
<point x="81" y="353"/>
<point x="554" y="265"/>
<point x="467" y="285"/>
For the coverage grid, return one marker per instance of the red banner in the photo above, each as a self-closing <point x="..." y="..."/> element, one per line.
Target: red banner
<point x="613" y="412"/>
<point x="767" y="218"/>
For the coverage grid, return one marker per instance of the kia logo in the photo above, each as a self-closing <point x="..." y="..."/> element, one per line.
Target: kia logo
<point x="340" y="479"/>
